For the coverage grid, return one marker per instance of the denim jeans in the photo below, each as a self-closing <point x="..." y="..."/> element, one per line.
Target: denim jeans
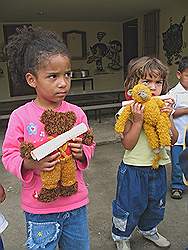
<point x="68" y="230"/>
<point x="177" y="178"/>
<point x="140" y="200"/>
<point x="1" y="244"/>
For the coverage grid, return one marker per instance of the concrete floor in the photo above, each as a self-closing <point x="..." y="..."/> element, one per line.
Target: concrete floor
<point x="101" y="180"/>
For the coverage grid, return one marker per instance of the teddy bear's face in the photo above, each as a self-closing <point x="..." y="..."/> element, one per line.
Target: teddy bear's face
<point x="141" y="93"/>
<point x="56" y="123"/>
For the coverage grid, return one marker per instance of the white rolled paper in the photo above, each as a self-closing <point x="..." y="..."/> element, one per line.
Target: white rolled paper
<point x="124" y="103"/>
<point x="162" y="97"/>
<point x="50" y="146"/>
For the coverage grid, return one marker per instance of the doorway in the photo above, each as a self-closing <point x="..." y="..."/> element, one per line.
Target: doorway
<point x="130" y="42"/>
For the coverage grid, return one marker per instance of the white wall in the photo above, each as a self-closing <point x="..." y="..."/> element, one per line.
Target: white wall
<point x="176" y="12"/>
<point x="110" y="80"/>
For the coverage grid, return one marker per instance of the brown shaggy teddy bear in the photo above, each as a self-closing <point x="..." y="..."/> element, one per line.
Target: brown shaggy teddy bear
<point x="61" y="181"/>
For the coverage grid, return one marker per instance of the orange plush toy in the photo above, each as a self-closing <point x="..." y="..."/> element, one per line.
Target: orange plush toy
<point x="156" y="123"/>
<point x="61" y="181"/>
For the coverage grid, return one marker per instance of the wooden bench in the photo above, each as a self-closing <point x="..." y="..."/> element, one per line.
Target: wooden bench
<point x="92" y="100"/>
<point x="98" y="107"/>
<point x="101" y="107"/>
<point x="4" y="117"/>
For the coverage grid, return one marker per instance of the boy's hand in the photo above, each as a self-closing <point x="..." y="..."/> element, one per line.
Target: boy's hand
<point x="2" y="194"/>
<point x="46" y="164"/>
<point x="77" y="149"/>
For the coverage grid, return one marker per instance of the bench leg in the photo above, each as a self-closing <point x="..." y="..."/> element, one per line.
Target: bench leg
<point x="95" y="114"/>
<point x="99" y="115"/>
<point x="92" y="87"/>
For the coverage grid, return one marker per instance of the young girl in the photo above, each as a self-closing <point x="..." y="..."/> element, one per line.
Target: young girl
<point x="40" y="58"/>
<point x="141" y="190"/>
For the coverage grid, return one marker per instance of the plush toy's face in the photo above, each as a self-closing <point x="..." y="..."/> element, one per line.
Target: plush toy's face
<point x="57" y="123"/>
<point x="141" y="93"/>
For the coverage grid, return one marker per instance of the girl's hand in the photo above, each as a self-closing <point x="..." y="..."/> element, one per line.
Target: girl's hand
<point x="2" y="194"/>
<point x="169" y="106"/>
<point x="138" y="112"/>
<point x="77" y="149"/>
<point x="169" y="102"/>
<point x="46" y="164"/>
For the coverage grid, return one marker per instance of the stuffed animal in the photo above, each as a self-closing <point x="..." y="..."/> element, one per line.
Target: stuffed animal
<point x="156" y="123"/>
<point x="61" y="181"/>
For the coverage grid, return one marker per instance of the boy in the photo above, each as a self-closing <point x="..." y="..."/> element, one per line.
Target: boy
<point x="180" y="94"/>
<point x="184" y="159"/>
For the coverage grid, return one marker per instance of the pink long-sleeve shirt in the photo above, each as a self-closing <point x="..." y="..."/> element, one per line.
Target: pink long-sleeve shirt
<point x="25" y="125"/>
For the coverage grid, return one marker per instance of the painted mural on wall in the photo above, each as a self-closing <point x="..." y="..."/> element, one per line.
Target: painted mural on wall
<point x="114" y="54"/>
<point x="173" y="41"/>
<point x="110" y="51"/>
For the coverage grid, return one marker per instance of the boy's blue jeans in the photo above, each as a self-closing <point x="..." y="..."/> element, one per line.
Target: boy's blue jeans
<point x="177" y="178"/>
<point x="140" y="200"/>
<point x="1" y="244"/>
<point x="68" y="230"/>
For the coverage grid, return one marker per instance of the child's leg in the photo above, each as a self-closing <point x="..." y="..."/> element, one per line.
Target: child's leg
<point x="157" y="188"/>
<point x="43" y="231"/>
<point x="75" y="233"/>
<point x="131" y="200"/>
<point x="1" y="244"/>
<point x="177" y="179"/>
<point x="68" y="229"/>
<point x="186" y="137"/>
<point x="154" y="213"/>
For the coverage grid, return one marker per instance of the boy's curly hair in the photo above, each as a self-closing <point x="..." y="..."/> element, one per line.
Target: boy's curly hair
<point x="138" y="68"/>
<point x="28" y="48"/>
<point x="183" y="64"/>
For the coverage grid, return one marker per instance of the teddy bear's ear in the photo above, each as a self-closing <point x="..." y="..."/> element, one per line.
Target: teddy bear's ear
<point x="143" y="83"/>
<point x="47" y="116"/>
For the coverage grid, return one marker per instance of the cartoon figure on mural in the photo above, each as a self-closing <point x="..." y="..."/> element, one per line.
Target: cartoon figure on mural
<point x="100" y="50"/>
<point x="173" y="41"/>
<point x="113" y="54"/>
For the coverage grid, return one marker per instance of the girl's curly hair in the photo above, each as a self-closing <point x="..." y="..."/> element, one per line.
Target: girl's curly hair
<point x="28" y="48"/>
<point x="138" y="68"/>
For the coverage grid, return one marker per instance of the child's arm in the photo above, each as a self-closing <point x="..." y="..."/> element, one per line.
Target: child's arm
<point x="133" y="128"/>
<point x="174" y="132"/>
<point x="169" y="109"/>
<point x="2" y="194"/>
<point x="47" y="163"/>
<point x="82" y="152"/>
<point x="180" y="111"/>
<point x="12" y="160"/>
